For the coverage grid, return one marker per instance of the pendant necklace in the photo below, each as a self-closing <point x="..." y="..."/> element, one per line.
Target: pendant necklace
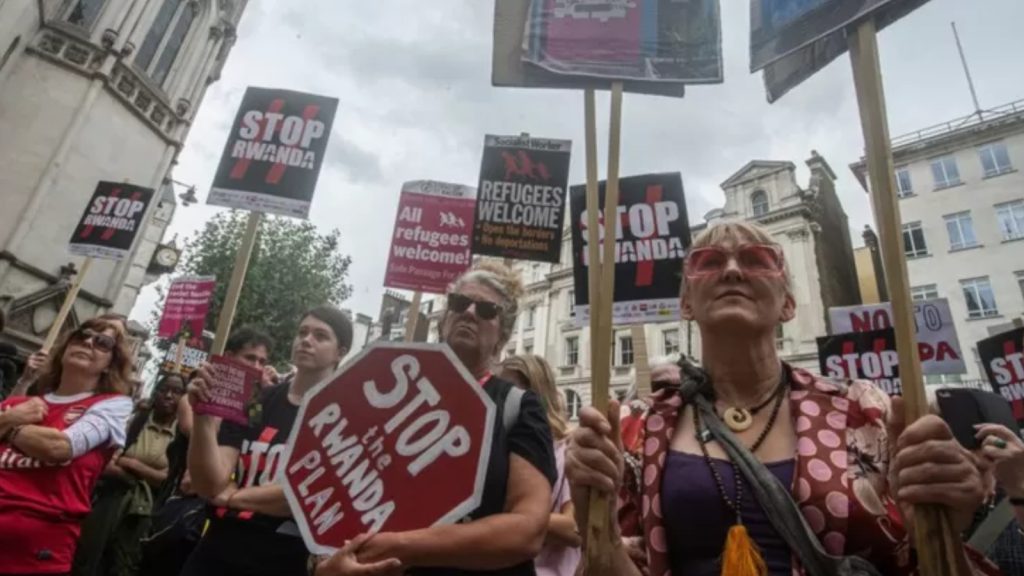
<point x="741" y="419"/>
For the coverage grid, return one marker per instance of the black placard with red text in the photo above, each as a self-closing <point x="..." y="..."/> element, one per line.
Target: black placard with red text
<point x="274" y="152"/>
<point x="1003" y="358"/>
<point x="862" y="356"/>
<point x="650" y="245"/>
<point x="111" y="222"/>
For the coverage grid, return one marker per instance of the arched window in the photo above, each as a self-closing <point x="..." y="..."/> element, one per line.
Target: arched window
<point x="84" y="13"/>
<point x="573" y="404"/>
<point x="165" y="37"/>
<point x="759" y="202"/>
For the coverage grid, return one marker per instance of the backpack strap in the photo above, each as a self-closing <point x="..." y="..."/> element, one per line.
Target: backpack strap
<point x="513" y="404"/>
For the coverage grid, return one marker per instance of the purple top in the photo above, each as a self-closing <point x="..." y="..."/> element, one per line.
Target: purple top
<point x="697" y="521"/>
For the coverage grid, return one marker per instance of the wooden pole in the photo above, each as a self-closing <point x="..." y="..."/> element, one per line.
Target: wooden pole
<point x="227" y="311"/>
<point x="179" y="355"/>
<point x="938" y="546"/>
<point x="599" y="534"/>
<point x="641" y="365"/>
<point x="414" y="316"/>
<point x="65" y="308"/>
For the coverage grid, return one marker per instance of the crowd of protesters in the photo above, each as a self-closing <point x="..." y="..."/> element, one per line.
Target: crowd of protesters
<point x="740" y="465"/>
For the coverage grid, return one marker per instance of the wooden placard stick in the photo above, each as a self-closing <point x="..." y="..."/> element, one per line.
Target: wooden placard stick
<point x="65" y="308"/>
<point x="227" y="311"/>
<point x="641" y="363"/>
<point x="179" y="354"/>
<point x="939" y="548"/>
<point x="413" y="316"/>
<point x="599" y="533"/>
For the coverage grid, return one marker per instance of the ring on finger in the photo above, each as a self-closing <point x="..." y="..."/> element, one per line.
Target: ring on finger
<point x="999" y="443"/>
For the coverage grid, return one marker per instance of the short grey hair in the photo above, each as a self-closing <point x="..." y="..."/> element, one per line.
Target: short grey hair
<point x="509" y="303"/>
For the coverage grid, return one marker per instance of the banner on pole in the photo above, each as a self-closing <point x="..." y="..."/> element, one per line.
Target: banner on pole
<point x="186" y="306"/>
<point x="111" y="222"/>
<point x="274" y="152"/>
<point x="650" y="246"/>
<point x="1003" y="358"/>
<point x="430" y="247"/>
<point x="793" y="39"/>
<point x="520" y="205"/>
<point x="937" y="343"/>
<point x="191" y="359"/>
<point x="648" y="40"/>
<point x="862" y="356"/>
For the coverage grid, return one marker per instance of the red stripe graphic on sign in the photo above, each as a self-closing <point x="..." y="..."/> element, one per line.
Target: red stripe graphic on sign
<point x="242" y="165"/>
<point x="277" y="170"/>
<point x="109" y="232"/>
<point x="87" y="231"/>
<point x="1010" y="347"/>
<point x="879" y="345"/>
<point x="645" y="269"/>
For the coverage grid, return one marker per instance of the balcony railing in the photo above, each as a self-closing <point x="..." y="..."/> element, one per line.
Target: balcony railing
<point x="975" y="119"/>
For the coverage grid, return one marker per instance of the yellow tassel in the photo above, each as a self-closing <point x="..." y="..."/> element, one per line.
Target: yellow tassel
<point x="741" y="556"/>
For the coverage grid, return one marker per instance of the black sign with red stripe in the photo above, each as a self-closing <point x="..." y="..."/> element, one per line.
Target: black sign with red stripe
<point x="113" y="218"/>
<point x="862" y="356"/>
<point x="1003" y="358"/>
<point x="650" y="244"/>
<point x="274" y="153"/>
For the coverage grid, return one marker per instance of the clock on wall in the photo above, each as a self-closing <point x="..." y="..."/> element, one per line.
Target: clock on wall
<point x="165" y="259"/>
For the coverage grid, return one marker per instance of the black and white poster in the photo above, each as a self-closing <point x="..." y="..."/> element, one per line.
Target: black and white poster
<point x="520" y="204"/>
<point x="650" y="245"/>
<point x="793" y="39"/>
<point x="274" y="152"/>
<point x="1003" y="358"/>
<point x="112" y="220"/>
<point x="862" y="356"/>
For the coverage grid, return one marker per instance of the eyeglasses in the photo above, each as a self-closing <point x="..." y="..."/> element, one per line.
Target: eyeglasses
<point x="752" y="259"/>
<point x="97" y="340"/>
<point x="459" y="303"/>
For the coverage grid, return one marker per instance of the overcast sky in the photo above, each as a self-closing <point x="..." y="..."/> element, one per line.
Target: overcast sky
<point x="413" y="79"/>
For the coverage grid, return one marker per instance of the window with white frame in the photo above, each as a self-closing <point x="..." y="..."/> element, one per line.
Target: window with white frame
<point x="528" y="348"/>
<point x="1020" y="281"/>
<point x="913" y="240"/>
<point x="573" y="404"/>
<point x="625" y="351"/>
<point x="995" y="160"/>
<point x="670" y="342"/>
<point x="925" y="292"/>
<point x="961" y="231"/>
<point x="904" y="187"/>
<point x="570" y="303"/>
<point x="83" y="13"/>
<point x="780" y="337"/>
<point x="759" y="202"/>
<point x="165" y="38"/>
<point x="529" y="317"/>
<point x="572" y="351"/>
<point x="1011" y="219"/>
<point x="981" y="301"/>
<point x="945" y="172"/>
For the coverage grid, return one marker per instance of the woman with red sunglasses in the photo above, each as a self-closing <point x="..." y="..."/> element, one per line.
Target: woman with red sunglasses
<point x="53" y="447"/>
<point x="817" y="448"/>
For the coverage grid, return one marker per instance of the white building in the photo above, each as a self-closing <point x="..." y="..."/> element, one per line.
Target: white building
<point x="93" y="90"/>
<point x="809" y="224"/>
<point x="962" y="206"/>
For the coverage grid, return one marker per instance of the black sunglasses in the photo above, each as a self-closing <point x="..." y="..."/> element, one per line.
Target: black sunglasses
<point x="97" y="340"/>
<point x="485" y="310"/>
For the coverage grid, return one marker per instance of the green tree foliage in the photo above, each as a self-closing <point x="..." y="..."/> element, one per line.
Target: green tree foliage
<point x="293" y="268"/>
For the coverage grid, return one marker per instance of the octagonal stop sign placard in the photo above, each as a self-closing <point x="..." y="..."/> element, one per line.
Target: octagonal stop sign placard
<point x="397" y="422"/>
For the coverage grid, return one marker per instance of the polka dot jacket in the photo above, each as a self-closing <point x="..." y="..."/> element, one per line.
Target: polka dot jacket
<point x="840" y="482"/>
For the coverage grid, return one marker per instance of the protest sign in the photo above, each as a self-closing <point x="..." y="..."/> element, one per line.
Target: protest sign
<point x="274" y="152"/>
<point x="1003" y="358"/>
<point x="649" y="40"/>
<point x="233" y="388"/>
<point x="862" y="355"/>
<point x="431" y="244"/>
<point x="937" y="342"/>
<point x="191" y="359"/>
<point x="185" y="307"/>
<point x="650" y="245"/>
<point x="793" y="39"/>
<point x="111" y="222"/>
<point x="395" y="420"/>
<point x="520" y="205"/>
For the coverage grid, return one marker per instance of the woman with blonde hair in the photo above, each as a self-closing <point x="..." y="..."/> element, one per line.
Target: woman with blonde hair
<point x="751" y="466"/>
<point x="561" y="553"/>
<point x="53" y="447"/>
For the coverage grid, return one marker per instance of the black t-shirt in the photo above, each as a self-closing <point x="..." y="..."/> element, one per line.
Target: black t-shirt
<point x="529" y="438"/>
<point x="251" y="543"/>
